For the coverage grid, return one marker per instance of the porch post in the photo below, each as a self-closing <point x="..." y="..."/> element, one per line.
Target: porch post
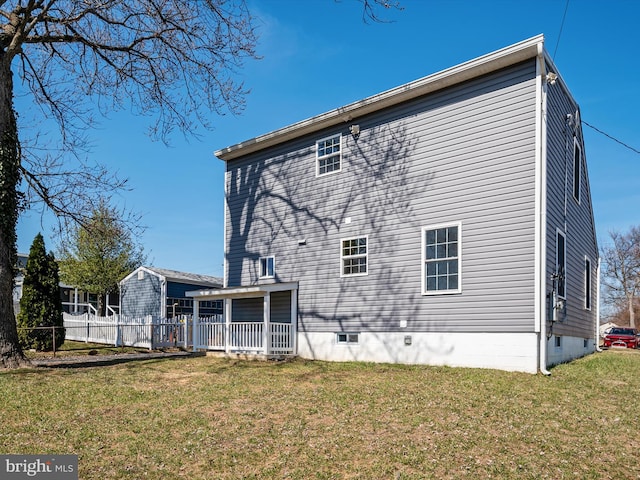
<point x="266" y="334"/>
<point x="227" y="324"/>
<point x="194" y="329"/>
<point x="294" y="322"/>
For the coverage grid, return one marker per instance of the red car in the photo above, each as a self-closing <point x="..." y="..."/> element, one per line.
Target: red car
<point x="621" y="337"/>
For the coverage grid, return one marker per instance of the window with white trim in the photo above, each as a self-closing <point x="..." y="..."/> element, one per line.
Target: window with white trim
<point x="441" y="248"/>
<point x="577" y="169"/>
<point x="353" y="256"/>
<point x="587" y="283"/>
<point x="329" y="155"/>
<point x="561" y="264"/>
<point x="344" y="338"/>
<point x="267" y="267"/>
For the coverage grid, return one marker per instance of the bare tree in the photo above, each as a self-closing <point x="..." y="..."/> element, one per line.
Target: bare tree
<point x="370" y="9"/>
<point x="621" y="270"/>
<point x="174" y="60"/>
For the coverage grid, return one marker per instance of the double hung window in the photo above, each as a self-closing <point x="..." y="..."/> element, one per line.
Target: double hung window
<point x="328" y="155"/>
<point x="354" y="253"/>
<point x="441" y="248"/>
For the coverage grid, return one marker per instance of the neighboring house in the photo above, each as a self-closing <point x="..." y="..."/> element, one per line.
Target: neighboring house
<point x="19" y="280"/>
<point x="73" y="299"/>
<point x="161" y="293"/>
<point x="446" y="221"/>
<point x="605" y="327"/>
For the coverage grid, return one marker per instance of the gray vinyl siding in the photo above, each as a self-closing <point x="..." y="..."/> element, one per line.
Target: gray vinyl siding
<point x="141" y="297"/>
<point x="580" y="229"/>
<point x="465" y="154"/>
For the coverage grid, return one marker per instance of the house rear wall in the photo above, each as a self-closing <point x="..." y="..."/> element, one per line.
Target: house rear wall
<point x="465" y="154"/>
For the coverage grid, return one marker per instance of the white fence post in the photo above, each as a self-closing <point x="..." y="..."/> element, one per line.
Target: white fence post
<point x="227" y="324"/>
<point x="149" y="320"/>
<point x="185" y="326"/>
<point x="266" y="335"/>
<point x="118" y="332"/>
<point x="294" y="322"/>
<point x="195" y="329"/>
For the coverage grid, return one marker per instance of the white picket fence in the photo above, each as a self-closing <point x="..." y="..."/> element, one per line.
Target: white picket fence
<point x="146" y="332"/>
<point x="210" y="333"/>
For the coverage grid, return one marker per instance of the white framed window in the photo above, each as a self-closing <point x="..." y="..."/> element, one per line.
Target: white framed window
<point x="561" y="265"/>
<point x="587" y="283"/>
<point x="346" y="338"/>
<point x="267" y="267"/>
<point x="354" y="254"/>
<point x="441" y="259"/>
<point x="577" y="169"/>
<point x="329" y="155"/>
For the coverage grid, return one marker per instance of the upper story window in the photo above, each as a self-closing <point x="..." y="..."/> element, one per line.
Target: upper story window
<point x="354" y="254"/>
<point x="329" y="155"/>
<point x="561" y="264"/>
<point x="441" y="248"/>
<point x="267" y="267"/>
<point x="577" y="169"/>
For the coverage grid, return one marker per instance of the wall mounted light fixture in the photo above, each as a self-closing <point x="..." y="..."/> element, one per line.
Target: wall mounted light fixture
<point x="355" y="130"/>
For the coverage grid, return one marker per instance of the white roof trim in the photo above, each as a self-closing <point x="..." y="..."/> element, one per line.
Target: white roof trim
<point x="483" y="65"/>
<point x="242" y="292"/>
<point x="144" y="269"/>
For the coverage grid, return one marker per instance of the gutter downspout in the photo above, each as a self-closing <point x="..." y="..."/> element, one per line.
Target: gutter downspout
<point x="597" y="332"/>
<point x="541" y="210"/>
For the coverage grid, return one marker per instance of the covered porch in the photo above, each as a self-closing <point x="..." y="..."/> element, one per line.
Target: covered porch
<point x="259" y="319"/>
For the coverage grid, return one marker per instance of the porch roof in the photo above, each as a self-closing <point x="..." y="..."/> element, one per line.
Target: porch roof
<point x="242" y="292"/>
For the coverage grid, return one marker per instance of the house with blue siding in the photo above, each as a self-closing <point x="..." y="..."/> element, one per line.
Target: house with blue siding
<point x="447" y="221"/>
<point x="160" y="292"/>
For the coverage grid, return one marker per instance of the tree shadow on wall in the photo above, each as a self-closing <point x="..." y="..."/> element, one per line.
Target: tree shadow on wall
<point x="390" y="184"/>
<point x="266" y="204"/>
<point x="278" y="206"/>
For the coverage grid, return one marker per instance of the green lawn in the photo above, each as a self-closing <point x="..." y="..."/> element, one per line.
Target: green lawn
<point x="211" y="418"/>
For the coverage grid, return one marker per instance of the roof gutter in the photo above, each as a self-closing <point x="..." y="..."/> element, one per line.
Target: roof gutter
<point x="491" y="62"/>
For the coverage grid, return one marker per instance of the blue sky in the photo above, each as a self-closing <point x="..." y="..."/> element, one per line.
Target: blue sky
<point x="318" y="55"/>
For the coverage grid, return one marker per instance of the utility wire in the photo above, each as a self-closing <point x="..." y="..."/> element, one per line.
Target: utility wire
<point x="612" y="138"/>
<point x="566" y="7"/>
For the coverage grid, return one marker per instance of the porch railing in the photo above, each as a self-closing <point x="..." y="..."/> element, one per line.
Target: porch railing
<point x="246" y="337"/>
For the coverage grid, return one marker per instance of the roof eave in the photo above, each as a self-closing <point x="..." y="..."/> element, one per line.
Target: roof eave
<point x="491" y="62"/>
